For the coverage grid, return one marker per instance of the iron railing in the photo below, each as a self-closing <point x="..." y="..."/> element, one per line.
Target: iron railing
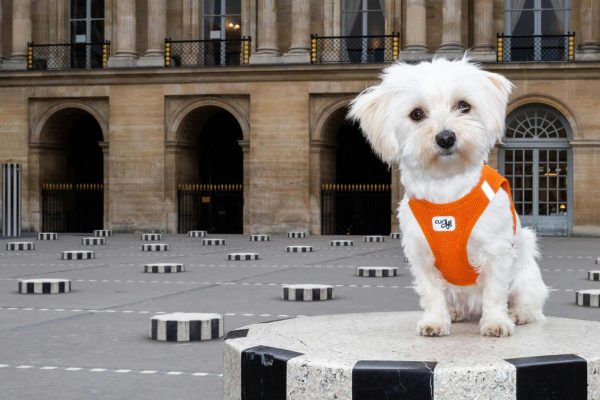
<point x="535" y="48"/>
<point x="212" y="208"/>
<point x="72" y="208"/>
<point x="354" y="49"/>
<point x="207" y="53"/>
<point x="356" y="209"/>
<point x="42" y="57"/>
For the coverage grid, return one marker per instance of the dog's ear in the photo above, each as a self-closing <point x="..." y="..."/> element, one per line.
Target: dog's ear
<point x="499" y="92"/>
<point x="371" y="110"/>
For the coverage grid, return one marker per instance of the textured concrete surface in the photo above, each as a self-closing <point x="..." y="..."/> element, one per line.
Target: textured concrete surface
<point x="96" y="335"/>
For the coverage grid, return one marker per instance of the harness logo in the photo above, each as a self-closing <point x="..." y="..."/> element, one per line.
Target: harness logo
<point x="443" y="224"/>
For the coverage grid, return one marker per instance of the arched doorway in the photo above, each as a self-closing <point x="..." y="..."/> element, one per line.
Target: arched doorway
<point x="358" y="201"/>
<point x="71" y="165"/>
<point x="537" y="160"/>
<point x="210" y="193"/>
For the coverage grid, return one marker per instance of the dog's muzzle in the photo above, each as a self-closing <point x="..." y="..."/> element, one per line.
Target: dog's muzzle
<point x="445" y="139"/>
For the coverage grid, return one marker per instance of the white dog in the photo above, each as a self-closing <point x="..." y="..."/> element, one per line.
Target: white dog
<point x="439" y="120"/>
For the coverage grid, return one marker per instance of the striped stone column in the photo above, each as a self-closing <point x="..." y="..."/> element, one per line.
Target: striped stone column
<point x="484" y="47"/>
<point x="415" y="47"/>
<point x="300" y="48"/>
<point x="452" y="46"/>
<point x="157" y="31"/>
<point x="11" y="200"/>
<point x="21" y="31"/>
<point x="267" y="51"/>
<point x="589" y="46"/>
<point x="126" y="52"/>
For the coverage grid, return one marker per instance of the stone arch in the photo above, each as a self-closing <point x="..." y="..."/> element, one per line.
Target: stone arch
<point x="45" y="123"/>
<point x="329" y="117"/>
<point x="184" y="117"/>
<point x="551" y="101"/>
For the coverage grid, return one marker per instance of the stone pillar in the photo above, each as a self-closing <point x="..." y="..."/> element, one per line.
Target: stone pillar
<point x="1" y="54"/>
<point x="157" y="31"/>
<point x="589" y="46"/>
<point x="451" y="33"/>
<point x="126" y="54"/>
<point x="416" y="34"/>
<point x="105" y="184"/>
<point x="322" y="159"/>
<point x="300" y="49"/>
<point x="267" y="51"/>
<point x="484" y="48"/>
<point x="21" y="35"/>
<point x="245" y="145"/>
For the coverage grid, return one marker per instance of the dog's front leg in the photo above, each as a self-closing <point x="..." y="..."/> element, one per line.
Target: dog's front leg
<point x="431" y="287"/>
<point x="494" y="278"/>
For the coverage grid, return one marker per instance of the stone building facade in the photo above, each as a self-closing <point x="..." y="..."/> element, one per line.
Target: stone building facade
<point x="146" y="120"/>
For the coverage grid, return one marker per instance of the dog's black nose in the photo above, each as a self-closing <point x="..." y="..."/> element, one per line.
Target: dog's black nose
<point x="445" y="139"/>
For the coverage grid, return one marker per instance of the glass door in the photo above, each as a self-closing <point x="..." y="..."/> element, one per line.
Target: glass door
<point x="86" y="26"/>
<point x="221" y="26"/>
<point x="363" y="21"/>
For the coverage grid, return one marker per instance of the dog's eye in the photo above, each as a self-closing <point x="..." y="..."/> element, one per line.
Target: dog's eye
<point x="417" y="114"/>
<point x="463" y="107"/>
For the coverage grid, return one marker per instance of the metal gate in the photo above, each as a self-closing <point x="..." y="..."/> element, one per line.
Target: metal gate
<point x="356" y="209"/>
<point x="72" y="208"/>
<point x="212" y="208"/>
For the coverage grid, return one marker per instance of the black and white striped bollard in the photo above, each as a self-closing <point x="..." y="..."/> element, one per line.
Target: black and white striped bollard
<point x="374" y="239"/>
<point x="242" y="256"/>
<point x="47" y="236"/>
<point x="102" y="233"/>
<point x="299" y="249"/>
<point x="151" y="236"/>
<point x="94" y="241"/>
<point x="77" y="255"/>
<point x="17" y="246"/>
<point x="163" y="268"/>
<point x="377" y="272"/>
<point x="341" y="243"/>
<point x="594" y="275"/>
<point x="296" y="234"/>
<point x="156" y="247"/>
<point x="214" y="242"/>
<point x="197" y="233"/>
<point x="11" y="199"/>
<point x="588" y="298"/>
<point x="307" y="292"/>
<point x="395" y="236"/>
<point x="44" y="286"/>
<point x="260" y="238"/>
<point x="186" y="327"/>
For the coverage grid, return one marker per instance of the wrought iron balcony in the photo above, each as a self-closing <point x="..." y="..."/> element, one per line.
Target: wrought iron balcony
<point x="536" y="48"/>
<point x="42" y="57"/>
<point x="354" y="49"/>
<point x="207" y="53"/>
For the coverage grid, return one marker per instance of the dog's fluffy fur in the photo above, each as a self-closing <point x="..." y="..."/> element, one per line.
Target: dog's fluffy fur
<point x="509" y="288"/>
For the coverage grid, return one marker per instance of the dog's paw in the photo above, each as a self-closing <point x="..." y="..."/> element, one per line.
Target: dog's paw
<point x="521" y="316"/>
<point x="456" y="316"/>
<point x="498" y="328"/>
<point x="433" y="327"/>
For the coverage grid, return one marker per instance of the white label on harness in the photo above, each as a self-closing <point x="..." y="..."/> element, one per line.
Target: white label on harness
<point x="443" y="224"/>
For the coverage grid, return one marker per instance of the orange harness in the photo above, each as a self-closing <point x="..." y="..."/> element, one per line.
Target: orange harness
<point x="447" y="227"/>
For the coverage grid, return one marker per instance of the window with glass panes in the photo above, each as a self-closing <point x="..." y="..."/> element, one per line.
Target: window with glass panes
<point x="221" y="19"/>
<point x="536" y="160"/>
<point x="537" y="17"/>
<point x="86" y="21"/>
<point x="363" y="17"/>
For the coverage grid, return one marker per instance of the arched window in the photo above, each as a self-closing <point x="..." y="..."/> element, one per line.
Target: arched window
<point x="536" y="158"/>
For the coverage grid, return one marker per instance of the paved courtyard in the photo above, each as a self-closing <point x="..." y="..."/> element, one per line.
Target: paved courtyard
<point x="93" y="342"/>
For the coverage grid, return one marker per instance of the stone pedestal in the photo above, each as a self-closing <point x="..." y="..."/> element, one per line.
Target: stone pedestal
<point x="380" y="355"/>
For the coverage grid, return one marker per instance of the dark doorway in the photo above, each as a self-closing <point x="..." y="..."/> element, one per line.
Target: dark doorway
<point x="359" y="202"/>
<point x="76" y="202"/>
<point x="216" y="203"/>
